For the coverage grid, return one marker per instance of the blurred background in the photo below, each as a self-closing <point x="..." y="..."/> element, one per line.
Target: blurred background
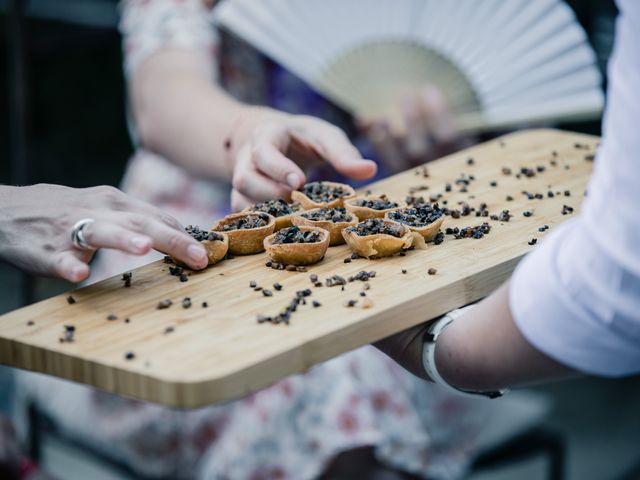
<point x="63" y="120"/>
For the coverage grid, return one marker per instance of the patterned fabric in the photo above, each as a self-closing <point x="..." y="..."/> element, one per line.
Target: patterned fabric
<point x="292" y="429"/>
<point x="148" y="25"/>
<point x="289" y="430"/>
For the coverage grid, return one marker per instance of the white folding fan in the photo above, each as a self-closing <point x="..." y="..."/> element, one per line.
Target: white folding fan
<point x="499" y="62"/>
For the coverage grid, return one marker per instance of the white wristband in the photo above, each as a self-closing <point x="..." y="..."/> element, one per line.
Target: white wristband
<point x="429" y="357"/>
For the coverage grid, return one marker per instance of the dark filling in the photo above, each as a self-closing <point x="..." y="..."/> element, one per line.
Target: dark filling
<point x="478" y="231"/>
<point x="295" y="235"/>
<point x="381" y="203"/>
<point x="419" y="216"/>
<point x="377" y="225"/>
<point x="247" y="222"/>
<point x="201" y="235"/>
<point x="277" y="208"/>
<point x="323" y="192"/>
<point x="338" y="214"/>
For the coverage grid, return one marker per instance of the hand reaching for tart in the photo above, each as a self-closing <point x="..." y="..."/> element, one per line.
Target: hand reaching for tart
<point x="36" y="224"/>
<point x="270" y="150"/>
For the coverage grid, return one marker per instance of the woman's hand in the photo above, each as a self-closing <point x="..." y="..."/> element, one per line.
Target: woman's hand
<point x="36" y="224"/>
<point x="183" y="115"/>
<point x="269" y="152"/>
<point x="423" y="130"/>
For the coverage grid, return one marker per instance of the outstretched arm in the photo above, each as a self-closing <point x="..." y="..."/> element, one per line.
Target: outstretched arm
<point x="481" y="350"/>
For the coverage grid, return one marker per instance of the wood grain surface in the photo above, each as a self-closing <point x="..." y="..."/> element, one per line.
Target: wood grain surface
<point x="219" y="353"/>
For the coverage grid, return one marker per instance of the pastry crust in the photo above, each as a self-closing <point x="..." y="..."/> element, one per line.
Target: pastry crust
<point x="307" y="203"/>
<point x="283" y="221"/>
<point x="216" y="250"/>
<point x="298" y="253"/>
<point x="428" y="231"/>
<point x="364" y="213"/>
<point x="334" y="228"/>
<point x="379" y="244"/>
<point x="246" y="241"/>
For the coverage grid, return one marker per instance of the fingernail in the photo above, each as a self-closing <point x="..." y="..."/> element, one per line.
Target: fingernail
<point x="77" y="274"/>
<point x="293" y="181"/>
<point x="139" y="243"/>
<point x="197" y="253"/>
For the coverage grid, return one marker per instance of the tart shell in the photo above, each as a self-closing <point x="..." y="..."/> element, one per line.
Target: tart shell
<point x="334" y="228"/>
<point x="307" y="203"/>
<point x="428" y="232"/>
<point x="365" y="213"/>
<point x="379" y="244"/>
<point x="281" y="222"/>
<point x="285" y="221"/>
<point x="246" y="241"/>
<point x="298" y="253"/>
<point x="216" y="250"/>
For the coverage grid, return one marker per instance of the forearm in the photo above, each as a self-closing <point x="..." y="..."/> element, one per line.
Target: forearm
<point x="181" y="113"/>
<point x="484" y="350"/>
<point x="481" y="350"/>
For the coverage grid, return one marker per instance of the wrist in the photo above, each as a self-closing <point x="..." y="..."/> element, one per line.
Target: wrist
<point x="9" y="206"/>
<point x="430" y="359"/>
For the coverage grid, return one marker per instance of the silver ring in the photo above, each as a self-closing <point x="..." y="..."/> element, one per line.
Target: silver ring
<point x="77" y="237"/>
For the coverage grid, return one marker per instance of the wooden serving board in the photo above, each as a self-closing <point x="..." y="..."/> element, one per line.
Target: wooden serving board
<point x="219" y="353"/>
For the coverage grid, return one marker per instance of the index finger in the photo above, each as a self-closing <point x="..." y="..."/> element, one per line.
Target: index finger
<point x="333" y="145"/>
<point x="275" y="165"/>
<point x="166" y="239"/>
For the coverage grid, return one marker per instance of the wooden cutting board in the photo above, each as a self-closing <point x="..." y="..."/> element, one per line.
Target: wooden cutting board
<point x="219" y="353"/>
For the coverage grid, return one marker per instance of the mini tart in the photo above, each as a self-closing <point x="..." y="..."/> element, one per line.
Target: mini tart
<point x="427" y="230"/>
<point x="377" y="245"/>
<point x="334" y="228"/>
<point x="279" y="209"/>
<point x="215" y="243"/>
<point x="297" y="253"/>
<point x="363" y="207"/>
<point x="309" y="200"/>
<point x="246" y="241"/>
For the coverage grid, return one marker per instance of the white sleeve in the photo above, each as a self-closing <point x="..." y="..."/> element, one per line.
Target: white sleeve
<point x="577" y="296"/>
<point x="149" y="25"/>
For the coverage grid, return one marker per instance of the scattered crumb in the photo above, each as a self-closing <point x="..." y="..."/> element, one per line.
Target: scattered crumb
<point x="162" y="304"/>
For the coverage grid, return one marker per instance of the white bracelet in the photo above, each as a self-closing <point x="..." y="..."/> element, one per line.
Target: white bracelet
<point x="429" y="358"/>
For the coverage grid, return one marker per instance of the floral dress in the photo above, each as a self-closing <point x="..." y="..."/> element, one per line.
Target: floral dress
<point x="294" y="428"/>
